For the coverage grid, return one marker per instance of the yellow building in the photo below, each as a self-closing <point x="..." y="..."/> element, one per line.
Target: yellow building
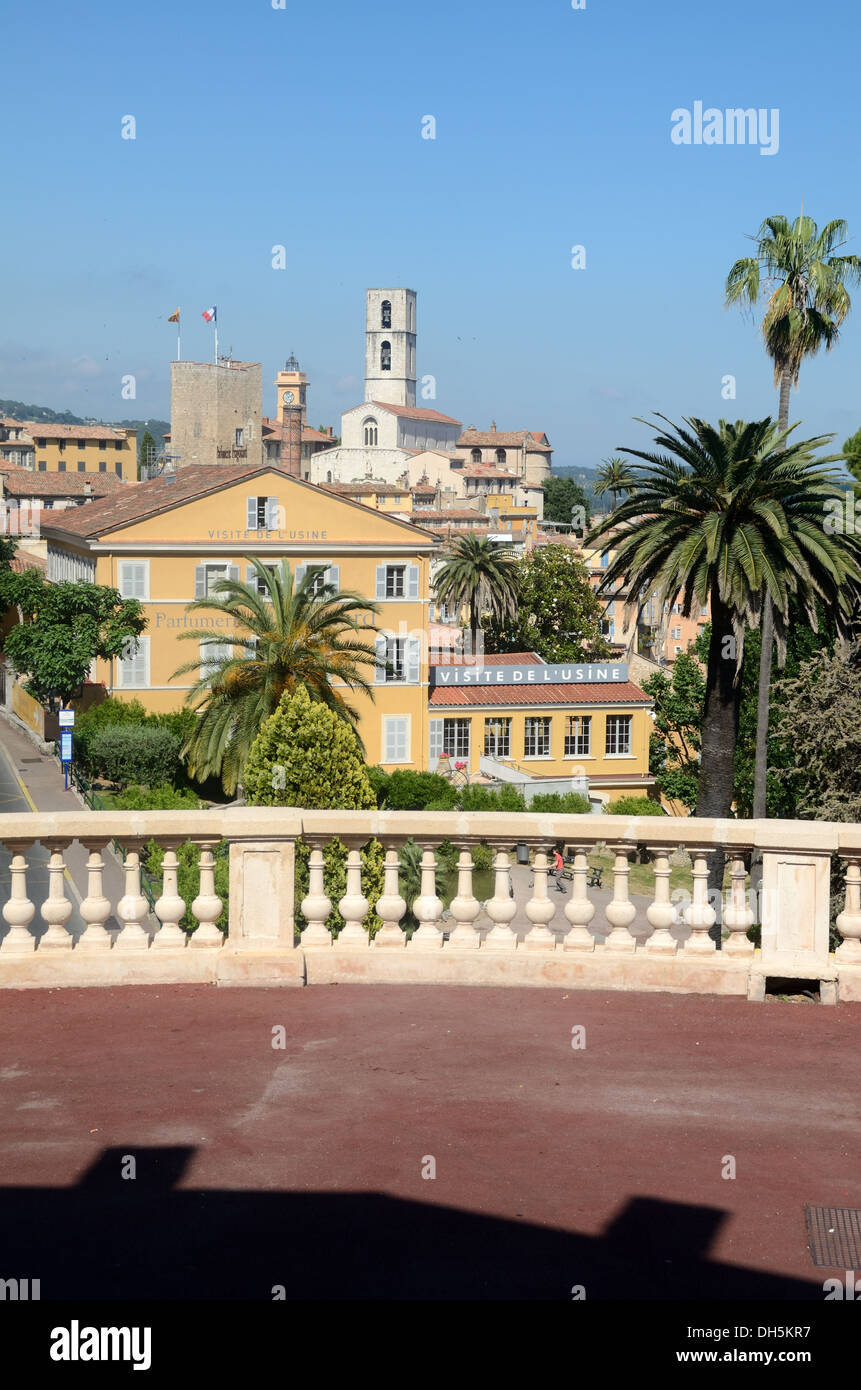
<point x="548" y="721"/>
<point x="83" y="449"/>
<point x="168" y="540"/>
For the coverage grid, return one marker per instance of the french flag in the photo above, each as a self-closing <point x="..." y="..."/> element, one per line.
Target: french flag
<point x="209" y="315"/>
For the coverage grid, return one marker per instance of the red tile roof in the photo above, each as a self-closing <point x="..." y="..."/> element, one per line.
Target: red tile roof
<point x="591" y="693"/>
<point x="24" y="560"/>
<point x="412" y="412"/>
<point x="427" y="516"/>
<point x="40" y="429"/>
<point x="496" y="659"/>
<point x="487" y="470"/>
<point x="512" y="439"/>
<point x="22" y="482"/>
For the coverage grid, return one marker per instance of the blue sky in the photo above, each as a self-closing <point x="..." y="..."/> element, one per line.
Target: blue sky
<point x="258" y="126"/>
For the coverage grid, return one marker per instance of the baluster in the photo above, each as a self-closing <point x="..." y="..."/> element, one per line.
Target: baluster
<point x="738" y="913"/>
<point x="95" y="909"/>
<point x="391" y="906"/>
<point x="56" y="909"/>
<point x="170" y="908"/>
<point x="427" y="907"/>
<point x="578" y="909"/>
<point x="207" y="905"/>
<point x="540" y="909"/>
<point x="315" y="906"/>
<point x="848" y="921"/>
<point x="661" y="912"/>
<point x="353" y="907"/>
<point x="501" y="908"/>
<point x="19" y="911"/>
<point x="132" y="908"/>
<point x="620" y="911"/>
<point x="465" y="907"/>
<point x="699" y="915"/>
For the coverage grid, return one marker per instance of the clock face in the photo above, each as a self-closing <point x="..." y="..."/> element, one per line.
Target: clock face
<point x="289" y="398"/>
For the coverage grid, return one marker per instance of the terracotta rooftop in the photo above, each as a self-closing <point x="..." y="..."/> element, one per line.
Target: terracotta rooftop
<point x="412" y="412"/>
<point x="24" y="560"/>
<point x="22" y="482"/>
<point x="429" y="516"/>
<point x="278" y="430"/>
<point x="512" y="439"/>
<point x="593" y="693"/>
<point x="488" y="471"/>
<point x="496" y="659"/>
<point x="40" y="429"/>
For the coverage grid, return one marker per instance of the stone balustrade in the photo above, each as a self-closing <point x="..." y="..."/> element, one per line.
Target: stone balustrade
<point x="586" y="938"/>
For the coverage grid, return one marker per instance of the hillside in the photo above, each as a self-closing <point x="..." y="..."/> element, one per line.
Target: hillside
<point x="18" y="410"/>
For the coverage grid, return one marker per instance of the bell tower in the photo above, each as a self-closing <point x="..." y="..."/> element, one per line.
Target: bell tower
<point x="291" y="387"/>
<point x="390" y="347"/>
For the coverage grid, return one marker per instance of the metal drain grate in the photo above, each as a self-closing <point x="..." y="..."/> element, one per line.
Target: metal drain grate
<point x="834" y="1236"/>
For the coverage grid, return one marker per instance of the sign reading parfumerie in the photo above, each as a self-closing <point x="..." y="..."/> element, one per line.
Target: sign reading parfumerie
<point x="529" y="675"/>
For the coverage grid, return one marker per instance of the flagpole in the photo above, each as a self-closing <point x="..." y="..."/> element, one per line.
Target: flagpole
<point x="216" y="337"/>
<point x="179" y="338"/>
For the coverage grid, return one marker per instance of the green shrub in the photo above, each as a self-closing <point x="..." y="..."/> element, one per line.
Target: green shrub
<point x="134" y="754"/>
<point x="414" y="791"/>
<point x="162" y="798"/>
<point x="379" y="781"/>
<point x="565" y="803"/>
<point x="110" y="712"/>
<point x="478" y="798"/>
<point x="635" y="806"/>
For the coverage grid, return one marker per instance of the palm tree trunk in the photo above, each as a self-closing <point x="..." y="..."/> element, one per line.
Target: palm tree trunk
<point x="719" y="737"/>
<point x="760" y="778"/>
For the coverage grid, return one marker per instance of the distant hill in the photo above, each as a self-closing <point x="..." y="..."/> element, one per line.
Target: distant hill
<point x="18" y="410"/>
<point x="584" y="476"/>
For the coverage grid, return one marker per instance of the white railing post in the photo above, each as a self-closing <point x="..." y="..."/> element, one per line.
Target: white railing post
<point x="738" y="914"/>
<point x="848" y="921"/>
<point x="391" y="906"/>
<point x="661" y="913"/>
<point x="427" y="906"/>
<point x="465" y="907"/>
<point x="578" y="909"/>
<point x="170" y="907"/>
<point x="540" y="909"/>
<point x="315" y="906"/>
<point x="95" y="909"/>
<point x="353" y="907"/>
<point x="501" y="908"/>
<point x="207" y="905"/>
<point x="132" y="908"/>
<point x="620" y="911"/>
<point x="56" y="909"/>
<point x="699" y="914"/>
<point x="18" y="911"/>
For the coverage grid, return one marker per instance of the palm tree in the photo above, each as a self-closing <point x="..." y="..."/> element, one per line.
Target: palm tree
<point x="614" y="477"/>
<point x="287" y="635"/>
<point x="478" y="574"/>
<point x="728" y="516"/>
<point x="808" y="301"/>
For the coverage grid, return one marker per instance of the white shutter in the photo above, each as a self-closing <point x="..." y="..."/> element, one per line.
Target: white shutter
<point x="333" y="576"/>
<point x="272" y="513"/>
<point x="251" y="513"/>
<point x="436" y="735"/>
<point x="381" y="581"/>
<point x="250" y="574"/>
<point x="200" y="581"/>
<point x="413" y="662"/>
<point x="412" y="581"/>
<point x="233" y="572"/>
<point x="396" y="740"/>
<point x="298" y="575"/>
<point x="380" y="656"/>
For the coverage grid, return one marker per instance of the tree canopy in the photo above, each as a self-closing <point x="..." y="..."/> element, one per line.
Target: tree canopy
<point x="556" y="614"/>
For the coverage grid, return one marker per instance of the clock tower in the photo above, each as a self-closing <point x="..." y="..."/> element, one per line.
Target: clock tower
<point x="291" y="386"/>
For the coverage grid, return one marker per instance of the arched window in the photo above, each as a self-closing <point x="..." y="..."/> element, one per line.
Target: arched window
<point x="370" y="428"/>
<point x="328" y="475"/>
<point x="476" y="456"/>
<point x="500" y="457"/>
<point x="386" y="314"/>
<point x="385" y="356"/>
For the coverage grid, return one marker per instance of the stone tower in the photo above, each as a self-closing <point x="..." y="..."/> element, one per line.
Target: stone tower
<point x="291" y="388"/>
<point x="390" y="347"/>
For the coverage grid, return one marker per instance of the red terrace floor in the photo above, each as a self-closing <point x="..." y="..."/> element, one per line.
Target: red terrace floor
<point x="302" y="1167"/>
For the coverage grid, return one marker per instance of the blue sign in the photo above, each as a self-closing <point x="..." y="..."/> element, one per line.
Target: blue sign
<point x="559" y="674"/>
<point x="65" y="748"/>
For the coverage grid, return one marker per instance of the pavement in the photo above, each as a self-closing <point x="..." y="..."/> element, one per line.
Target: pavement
<point x="422" y="1142"/>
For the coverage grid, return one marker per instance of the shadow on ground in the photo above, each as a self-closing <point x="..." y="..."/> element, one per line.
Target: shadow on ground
<point x="148" y="1238"/>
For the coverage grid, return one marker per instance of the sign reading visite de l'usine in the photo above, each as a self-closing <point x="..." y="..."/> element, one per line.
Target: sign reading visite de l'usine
<point x="529" y="675"/>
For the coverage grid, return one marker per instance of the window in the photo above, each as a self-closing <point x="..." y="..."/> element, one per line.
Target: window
<point x="239" y="438"/>
<point x="40" y="443"/>
<point x="207" y="576"/>
<point x="253" y="578"/>
<point x="82" y="443"/>
<point x="261" y="513"/>
<point x="618" y="735"/>
<point x="475" y="456"/>
<point x="134" y="579"/>
<point x="118" y="469"/>
<point x="118" y="444"/>
<point x="103" y="444"/>
<point x="396" y="739"/>
<point x="397" y="582"/>
<point x="61" y="466"/>
<point x="455" y="738"/>
<point x="385" y="356"/>
<point x="43" y="464"/>
<point x="578" y="736"/>
<point x="61" y="444"/>
<point x="536" y="739"/>
<point x="500" y="456"/>
<point x="370" y="431"/>
<point x="605" y="559"/>
<point x="82" y="465"/>
<point x="608" y="627"/>
<point x="330" y="575"/>
<point x="676" y="650"/>
<point x="133" y="665"/>
<point x="677" y="608"/>
<point x="386" y="314"/>
<point x="497" y="738"/>
<point x="397" y="660"/>
<point x="212" y="654"/>
<point x="676" y="632"/>
<point x="103" y="465"/>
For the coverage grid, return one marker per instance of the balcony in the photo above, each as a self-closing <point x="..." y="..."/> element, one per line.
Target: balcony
<point x="581" y="937"/>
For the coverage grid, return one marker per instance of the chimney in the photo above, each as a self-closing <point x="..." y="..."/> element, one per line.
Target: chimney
<point x="88" y="489"/>
<point x="493" y="427"/>
<point x="291" y="440"/>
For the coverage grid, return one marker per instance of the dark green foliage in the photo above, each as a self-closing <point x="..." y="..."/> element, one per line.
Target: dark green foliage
<point x="416" y="791"/>
<point x="561" y="497"/>
<point x="188" y="877"/>
<point x="479" y="798"/>
<point x="562" y="803"/>
<point x="146" y="447"/>
<point x="160" y="798"/>
<point x="634" y="806"/>
<point x="379" y="781"/>
<point x="557" y="614"/>
<point x="133" y="754"/>
<point x="110" y="712"/>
